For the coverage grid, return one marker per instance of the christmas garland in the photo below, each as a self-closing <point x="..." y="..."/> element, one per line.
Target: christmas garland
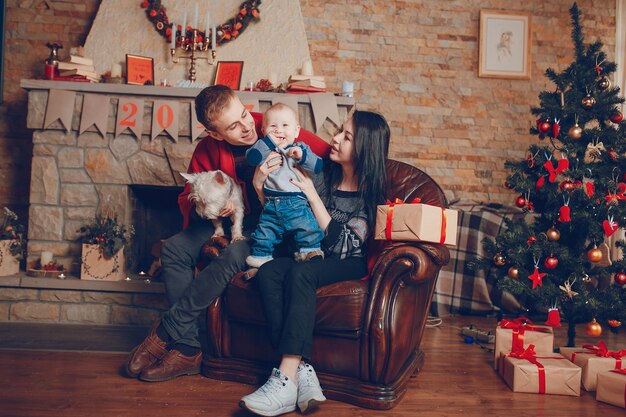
<point x="226" y="32"/>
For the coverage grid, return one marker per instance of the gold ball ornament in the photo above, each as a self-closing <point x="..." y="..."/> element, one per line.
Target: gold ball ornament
<point x="594" y="255"/>
<point x="553" y="234"/>
<point x="513" y="272"/>
<point x="604" y="83"/>
<point x="593" y="328"/>
<point x="588" y="102"/>
<point x="575" y="132"/>
<point x="499" y="260"/>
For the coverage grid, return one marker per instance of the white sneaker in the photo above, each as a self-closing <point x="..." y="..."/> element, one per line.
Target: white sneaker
<point x="257" y="261"/>
<point x="309" y="391"/>
<point x="277" y="396"/>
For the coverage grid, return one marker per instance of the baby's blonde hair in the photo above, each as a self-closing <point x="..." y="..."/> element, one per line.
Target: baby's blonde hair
<point x="279" y="107"/>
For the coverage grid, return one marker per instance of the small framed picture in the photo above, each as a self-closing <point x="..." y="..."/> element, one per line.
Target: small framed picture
<point x="228" y="73"/>
<point x="139" y="70"/>
<point x="504" y="45"/>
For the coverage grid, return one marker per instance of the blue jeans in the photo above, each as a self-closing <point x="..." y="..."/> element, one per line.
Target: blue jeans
<point x="281" y="215"/>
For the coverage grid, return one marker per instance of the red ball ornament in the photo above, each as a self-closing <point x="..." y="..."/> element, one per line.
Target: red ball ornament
<point x="544" y="127"/>
<point x="593" y="328"/>
<point x="620" y="278"/>
<point x="551" y="262"/>
<point x="616" y="117"/>
<point x="153" y="13"/>
<point x="520" y="202"/>
<point x="567" y="185"/>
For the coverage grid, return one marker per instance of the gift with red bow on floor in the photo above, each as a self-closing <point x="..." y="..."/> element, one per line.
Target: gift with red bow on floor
<point x="527" y="371"/>
<point x="594" y="360"/>
<point x="516" y="335"/>
<point x="612" y="387"/>
<point x="414" y="221"/>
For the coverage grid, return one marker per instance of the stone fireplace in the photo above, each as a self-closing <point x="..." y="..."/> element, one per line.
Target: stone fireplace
<point x="75" y="177"/>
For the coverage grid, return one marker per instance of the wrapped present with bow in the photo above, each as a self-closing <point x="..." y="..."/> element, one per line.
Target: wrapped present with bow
<point x="526" y="371"/>
<point x="414" y="221"/>
<point x="612" y="387"/>
<point x="516" y="335"/>
<point x="593" y="360"/>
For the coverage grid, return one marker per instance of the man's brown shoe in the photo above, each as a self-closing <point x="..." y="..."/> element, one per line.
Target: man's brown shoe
<point x="172" y="365"/>
<point x="146" y="354"/>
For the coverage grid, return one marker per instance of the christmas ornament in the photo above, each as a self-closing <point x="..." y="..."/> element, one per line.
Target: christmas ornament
<point x="606" y="255"/>
<point x="499" y="259"/>
<point x="531" y="240"/>
<point x="609" y="226"/>
<point x="594" y="254"/>
<point x="551" y="262"/>
<point x="614" y="323"/>
<point x="556" y="128"/>
<point x="618" y="194"/>
<point x="544" y="126"/>
<point x="520" y="201"/>
<point x="616" y="116"/>
<point x="561" y="166"/>
<point x="566" y="185"/>
<point x="588" y="101"/>
<point x="554" y="317"/>
<point x="620" y="278"/>
<point x="553" y="234"/>
<point x="593" y="328"/>
<point x="536" y="277"/>
<point x="590" y="188"/>
<point x="593" y="153"/>
<point x="604" y="83"/>
<point x="575" y="132"/>
<point x="564" y="213"/>
<point x="513" y="272"/>
<point x="567" y="288"/>
<point x="590" y="283"/>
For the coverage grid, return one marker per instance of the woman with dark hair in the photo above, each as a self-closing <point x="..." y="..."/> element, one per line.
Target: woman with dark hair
<point x="343" y="199"/>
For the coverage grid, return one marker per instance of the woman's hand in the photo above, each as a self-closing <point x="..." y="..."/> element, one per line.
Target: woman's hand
<point x="305" y="183"/>
<point x="228" y="209"/>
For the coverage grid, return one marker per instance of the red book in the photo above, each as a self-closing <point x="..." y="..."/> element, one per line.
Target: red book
<point x="305" y="89"/>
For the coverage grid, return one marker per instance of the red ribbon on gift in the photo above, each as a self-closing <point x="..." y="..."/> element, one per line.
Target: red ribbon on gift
<point x="530" y="355"/>
<point x="602" y="351"/>
<point x="416" y="200"/>
<point x="519" y="326"/>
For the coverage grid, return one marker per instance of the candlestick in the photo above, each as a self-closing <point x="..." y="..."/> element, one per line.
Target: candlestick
<point x="116" y="71"/>
<point x="195" y="17"/>
<point x="208" y="26"/>
<point x="184" y="29"/>
<point x="173" y="44"/>
<point x="213" y="39"/>
<point x="46" y="258"/>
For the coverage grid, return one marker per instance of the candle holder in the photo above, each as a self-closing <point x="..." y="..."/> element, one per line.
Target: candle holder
<point x="195" y="48"/>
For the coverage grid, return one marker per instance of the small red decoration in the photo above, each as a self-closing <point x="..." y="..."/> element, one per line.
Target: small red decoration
<point x="566" y="185"/>
<point x="551" y="262"/>
<point x="564" y="214"/>
<point x="609" y="227"/>
<point x="556" y="128"/>
<point x="616" y="117"/>
<point x="544" y="126"/>
<point x="520" y="201"/>
<point x="536" y="277"/>
<point x="531" y="240"/>
<point x="562" y="166"/>
<point x="620" y="278"/>
<point x="554" y="317"/>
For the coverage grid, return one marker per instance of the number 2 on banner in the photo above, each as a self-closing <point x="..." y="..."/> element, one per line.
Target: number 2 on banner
<point x="165" y="116"/>
<point x="130" y="109"/>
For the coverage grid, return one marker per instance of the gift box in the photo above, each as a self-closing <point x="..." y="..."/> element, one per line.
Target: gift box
<point x="612" y="387"/>
<point x="594" y="360"/>
<point x="526" y="371"/>
<point x="416" y="222"/>
<point x="516" y="335"/>
<point x="95" y="266"/>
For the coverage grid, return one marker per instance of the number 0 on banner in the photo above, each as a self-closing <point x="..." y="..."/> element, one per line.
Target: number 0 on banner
<point x="165" y="118"/>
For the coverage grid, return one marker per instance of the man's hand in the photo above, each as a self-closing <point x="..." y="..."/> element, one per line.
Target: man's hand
<point x="295" y="152"/>
<point x="271" y="164"/>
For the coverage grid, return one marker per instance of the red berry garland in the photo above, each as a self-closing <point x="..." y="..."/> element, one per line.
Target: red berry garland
<point x="226" y="32"/>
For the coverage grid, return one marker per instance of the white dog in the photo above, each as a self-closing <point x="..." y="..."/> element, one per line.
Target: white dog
<point x="210" y="191"/>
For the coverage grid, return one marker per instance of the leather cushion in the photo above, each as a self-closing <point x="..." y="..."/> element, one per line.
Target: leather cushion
<point x="340" y="306"/>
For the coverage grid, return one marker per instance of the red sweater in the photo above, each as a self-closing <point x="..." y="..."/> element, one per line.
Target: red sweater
<point x="211" y="154"/>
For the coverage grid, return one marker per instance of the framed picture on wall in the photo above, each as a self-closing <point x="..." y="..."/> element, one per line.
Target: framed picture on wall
<point x="504" y="45"/>
<point x="229" y="73"/>
<point x="139" y="70"/>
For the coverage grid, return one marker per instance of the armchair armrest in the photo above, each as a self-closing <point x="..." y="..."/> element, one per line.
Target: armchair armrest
<point x="401" y="287"/>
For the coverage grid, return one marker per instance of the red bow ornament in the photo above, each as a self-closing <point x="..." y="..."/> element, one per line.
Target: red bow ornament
<point x="561" y="167"/>
<point x="619" y="194"/>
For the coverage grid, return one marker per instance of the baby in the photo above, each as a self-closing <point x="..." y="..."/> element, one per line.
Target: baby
<point x="286" y="207"/>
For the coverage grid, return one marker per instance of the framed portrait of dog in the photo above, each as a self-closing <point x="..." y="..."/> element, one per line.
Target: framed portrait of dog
<point x="504" y="45"/>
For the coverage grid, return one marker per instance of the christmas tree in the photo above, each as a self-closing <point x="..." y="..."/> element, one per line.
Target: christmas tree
<point x="572" y="184"/>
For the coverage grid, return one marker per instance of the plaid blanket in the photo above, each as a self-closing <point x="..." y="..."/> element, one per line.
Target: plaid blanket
<point x="459" y="289"/>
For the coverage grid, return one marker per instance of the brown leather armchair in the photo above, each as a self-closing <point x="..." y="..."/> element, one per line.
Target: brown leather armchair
<point x="367" y="335"/>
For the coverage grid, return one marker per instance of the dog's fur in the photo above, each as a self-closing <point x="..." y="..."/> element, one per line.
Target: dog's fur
<point x="209" y="192"/>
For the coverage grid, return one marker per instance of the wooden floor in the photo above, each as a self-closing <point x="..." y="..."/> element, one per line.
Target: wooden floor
<point x="457" y="380"/>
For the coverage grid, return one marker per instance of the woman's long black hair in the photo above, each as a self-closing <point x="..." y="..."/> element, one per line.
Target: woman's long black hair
<point x="371" y="147"/>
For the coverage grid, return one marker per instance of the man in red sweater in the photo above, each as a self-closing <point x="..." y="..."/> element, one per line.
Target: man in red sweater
<point x="173" y="346"/>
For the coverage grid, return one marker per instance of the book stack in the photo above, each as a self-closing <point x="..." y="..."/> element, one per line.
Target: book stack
<point x="77" y="68"/>
<point x="306" y="84"/>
